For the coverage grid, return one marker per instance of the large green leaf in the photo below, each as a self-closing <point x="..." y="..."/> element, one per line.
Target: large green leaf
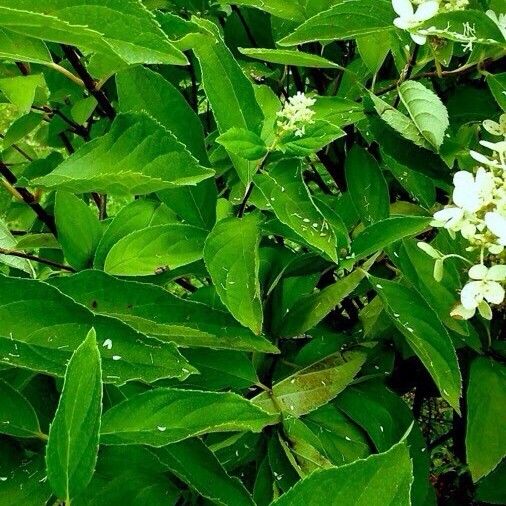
<point x="134" y="36"/>
<point x="289" y="57"/>
<point x="138" y="155"/>
<point x="195" y="464"/>
<point x="308" y="311"/>
<point x="381" y="234"/>
<point x="425" y="334"/>
<point x="312" y="387"/>
<point x="18" y="47"/>
<point x="231" y="257"/>
<point x="17" y="416"/>
<point x="293" y="205"/>
<point x="385" y="417"/>
<point x="42" y="327"/>
<point x="379" y="480"/>
<point x="140" y="89"/>
<point x="23" y="478"/>
<point x="464" y="26"/>
<point x="164" y="415"/>
<point x="486" y="398"/>
<point x="367" y="186"/>
<point x="128" y="475"/>
<point x="229" y="91"/>
<point x="155" y="249"/>
<point x="79" y="230"/>
<point x="137" y="215"/>
<point x="346" y="20"/>
<point x="154" y="311"/>
<point x="426" y="110"/>
<point x="71" y="452"/>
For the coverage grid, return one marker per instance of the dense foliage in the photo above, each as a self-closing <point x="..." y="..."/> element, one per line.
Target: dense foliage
<point x="252" y="252"/>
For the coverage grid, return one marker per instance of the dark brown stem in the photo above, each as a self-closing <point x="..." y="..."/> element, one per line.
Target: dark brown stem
<point x="244" y="201"/>
<point x="89" y="82"/>
<point x="35" y="258"/>
<point x="29" y="199"/>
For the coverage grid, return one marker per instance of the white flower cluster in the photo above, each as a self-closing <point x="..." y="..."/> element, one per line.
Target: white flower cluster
<point x="478" y="213"/>
<point x="296" y="114"/>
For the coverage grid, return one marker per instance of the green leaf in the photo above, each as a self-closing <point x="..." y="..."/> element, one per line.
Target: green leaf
<point x="492" y="489"/>
<point x="497" y="85"/>
<point x="23" y="478"/>
<point x="137" y="215"/>
<point x="42" y="327"/>
<point x="71" y="452"/>
<point x="8" y="242"/>
<point x="399" y="122"/>
<point x="381" y="234"/>
<point x="193" y="463"/>
<point x="132" y="158"/>
<point x="455" y="26"/>
<point x="128" y="475"/>
<point x="383" y="479"/>
<point x="308" y="311"/>
<point x="486" y="398"/>
<point x="163" y="415"/>
<point x="79" y="230"/>
<point x="231" y="257"/>
<point x="21" y="90"/>
<point x="142" y="90"/>
<point x="316" y="136"/>
<point x="21" y="128"/>
<point x="135" y="37"/>
<point x="367" y="186"/>
<point x="229" y="91"/>
<point x="20" y="48"/>
<point x="243" y="143"/>
<point x="346" y="20"/>
<point x="426" y="110"/>
<point x="155" y="249"/>
<point x="425" y="334"/>
<point x="289" y="57"/>
<point x="312" y="387"/>
<point x="291" y="201"/>
<point x="286" y="9"/>
<point x="373" y="50"/>
<point x="156" y="312"/>
<point x="17" y="416"/>
<point x="386" y="417"/>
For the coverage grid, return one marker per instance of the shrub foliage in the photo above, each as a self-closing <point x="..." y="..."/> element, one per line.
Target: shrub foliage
<point x="252" y="252"/>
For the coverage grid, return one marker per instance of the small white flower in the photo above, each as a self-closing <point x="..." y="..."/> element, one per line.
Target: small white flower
<point x="409" y="19"/>
<point x="486" y="286"/>
<point x="471" y="193"/>
<point x="496" y="223"/>
<point x="296" y="114"/>
<point x="499" y="20"/>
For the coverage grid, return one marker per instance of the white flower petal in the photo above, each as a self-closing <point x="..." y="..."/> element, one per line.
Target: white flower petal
<point x="496" y="223"/>
<point x="403" y="8"/>
<point x="471" y="295"/>
<point x="427" y="10"/>
<point x="478" y="271"/>
<point x="494" y="292"/>
<point x="418" y="39"/>
<point x="402" y="23"/>
<point x="497" y="273"/>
